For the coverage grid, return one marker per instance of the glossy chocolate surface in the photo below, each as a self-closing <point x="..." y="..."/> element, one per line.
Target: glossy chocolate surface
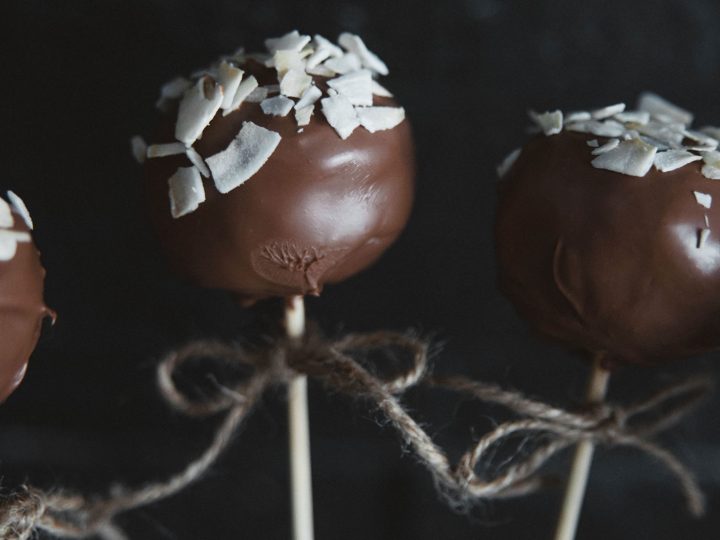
<point x="320" y="210"/>
<point x="606" y="262"/>
<point x="22" y="311"/>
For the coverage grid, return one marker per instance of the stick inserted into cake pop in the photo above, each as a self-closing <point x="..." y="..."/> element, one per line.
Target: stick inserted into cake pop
<point x="607" y="240"/>
<point x="275" y="173"/>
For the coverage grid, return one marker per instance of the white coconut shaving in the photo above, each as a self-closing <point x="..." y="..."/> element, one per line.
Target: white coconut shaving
<point x="633" y="157"/>
<point x="138" y="147"/>
<point x="197" y="107"/>
<point x="345" y="64"/>
<point x="356" y="86"/>
<point x="292" y="41"/>
<point x="197" y="160"/>
<point x="277" y="106"/>
<point x="323" y="49"/>
<point x="612" y="144"/>
<point x="380" y="90"/>
<point x="608" y="128"/>
<point x="607" y="112"/>
<point x="303" y="114"/>
<point x="284" y="61"/>
<point x="380" y="118"/>
<point x="229" y="77"/>
<point x="633" y="117"/>
<point x="9" y="240"/>
<point x="711" y="167"/>
<point x="186" y="191"/>
<point x="340" y="114"/>
<point x="165" y="149"/>
<point x="321" y="71"/>
<point x="21" y="209"/>
<point x="703" y="199"/>
<point x="663" y="110"/>
<point x="6" y="217"/>
<point x="593" y="143"/>
<point x="309" y="97"/>
<point x="249" y="151"/>
<point x="244" y="90"/>
<point x="258" y="95"/>
<point x="712" y="131"/>
<point x="294" y="83"/>
<point x="577" y="116"/>
<point x="355" y="45"/>
<point x="703" y="235"/>
<point x="172" y="90"/>
<point x="550" y="123"/>
<point x="669" y="160"/>
<point x="508" y="162"/>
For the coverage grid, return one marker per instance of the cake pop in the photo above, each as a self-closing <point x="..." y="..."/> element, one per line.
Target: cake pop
<point x="607" y="237"/>
<point x="22" y="308"/>
<point x="285" y="170"/>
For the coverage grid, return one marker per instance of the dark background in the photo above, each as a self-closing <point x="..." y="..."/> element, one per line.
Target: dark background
<point x="79" y="78"/>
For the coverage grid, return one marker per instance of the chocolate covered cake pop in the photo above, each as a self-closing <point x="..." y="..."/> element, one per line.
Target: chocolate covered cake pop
<point x="22" y="308"/>
<point x="608" y="231"/>
<point x="273" y="174"/>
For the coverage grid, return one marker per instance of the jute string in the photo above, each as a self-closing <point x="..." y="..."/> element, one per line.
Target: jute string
<point x="67" y="515"/>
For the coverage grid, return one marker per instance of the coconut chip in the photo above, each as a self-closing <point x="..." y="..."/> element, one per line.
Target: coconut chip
<point x="172" y="90"/>
<point x="612" y="144"/>
<point x="356" y="86"/>
<point x="309" y="97"/>
<point x="633" y="117"/>
<point x="703" y="199"/>
<point x="277" y="106"/>
<point x="138" y="146"/>
<point x="186" y="191"/>
<point x="197" y="160"/>
<point x="663" y="110"/>
<point x="8" y="242"/>
<point x="340" y="114"/>
<point x="165" y="149"/>
<point x="703" y="235"/>
<point x="593" y="143"/>
<point x="292" y="41"/>
<point x="345" y="64"/>
<point x="712" y="131"/>
<point x="711" y="169"/>
<point x="229" y="77"/>
<point x="670" y="160"/>
<point x="258" y="95"/>
<point x="197" y="108"/>
<point x="369" y="60"/>
<point x="380" y="90"/>
<point x="550" y="123"/>
<point x="243" y="92"/>
<point x="21" y="209"/>
<point x="321" y="71"/>
<point x="284" y="61"/>
<point x="303" y="114"/>
<point x="294" y="83"/>
<point x="607" y="112"/>
<point x="323" y="49"/>
<point x="6" y="217"/>
<point x="577" y="116"/>
<point x="633" y="157"/>
<point x="249" y="151"/>
<point x="607" y="128"/>
<point x="508" y="162"/>
<point x="380" y="118"/>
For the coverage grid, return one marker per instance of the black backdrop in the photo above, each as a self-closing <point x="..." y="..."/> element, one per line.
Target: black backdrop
<point x="79" y="78"/>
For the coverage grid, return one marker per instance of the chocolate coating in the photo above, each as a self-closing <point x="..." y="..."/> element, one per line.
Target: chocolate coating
<point x="319" y="210"/>
<point x="22" y="311"/>
<point x="607" y="262"/>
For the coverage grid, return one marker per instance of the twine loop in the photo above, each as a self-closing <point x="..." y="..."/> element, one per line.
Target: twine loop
<point x="334" y="364"/>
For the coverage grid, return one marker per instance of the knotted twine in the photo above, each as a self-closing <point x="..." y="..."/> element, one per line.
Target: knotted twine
<point x="68" y="515"/>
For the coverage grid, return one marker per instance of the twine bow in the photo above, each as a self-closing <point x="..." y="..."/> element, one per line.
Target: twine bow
<point x="332" y="363"/>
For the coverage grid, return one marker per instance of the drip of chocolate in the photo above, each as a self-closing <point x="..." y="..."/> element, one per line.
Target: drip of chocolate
<point x="605" y="262"/>
<point x="22" y="310"/>
<point x="318" y="211"/>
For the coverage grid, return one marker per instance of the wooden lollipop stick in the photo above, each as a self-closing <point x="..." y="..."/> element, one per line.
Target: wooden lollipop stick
<point x="575" y="490"/>
<point x="300" y="471"/>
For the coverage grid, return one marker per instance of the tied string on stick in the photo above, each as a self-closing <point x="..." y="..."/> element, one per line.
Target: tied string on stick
<point x="331" y="362"/>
